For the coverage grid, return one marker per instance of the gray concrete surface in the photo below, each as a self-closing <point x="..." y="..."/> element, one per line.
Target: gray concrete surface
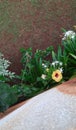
<point x="51" y="110"/>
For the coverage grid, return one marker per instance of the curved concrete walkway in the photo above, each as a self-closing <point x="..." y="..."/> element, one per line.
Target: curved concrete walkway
<point x="54" y="109"/>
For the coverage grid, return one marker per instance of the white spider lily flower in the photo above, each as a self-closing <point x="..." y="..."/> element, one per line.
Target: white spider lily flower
<point x="53" y="63"/>
<point x="44" y="65"/>
<point x="60" y="63"/>
<point x="43" y="76"/>
<point x="69" y="34"/>
<point x="61" y="69"/>
<point x="56" y="63"/>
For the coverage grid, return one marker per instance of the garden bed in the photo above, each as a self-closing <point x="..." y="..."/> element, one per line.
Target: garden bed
<point x="39" y="72"/>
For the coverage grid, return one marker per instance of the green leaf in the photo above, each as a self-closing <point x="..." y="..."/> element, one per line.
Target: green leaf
<point x="72" y="55"/>
<point x="53" y="56"/>
<point x="59" y="53"/>
<point x="63" y="30"/>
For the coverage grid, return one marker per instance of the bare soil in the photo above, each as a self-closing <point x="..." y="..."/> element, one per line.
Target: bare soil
<point x="33" y="23"/>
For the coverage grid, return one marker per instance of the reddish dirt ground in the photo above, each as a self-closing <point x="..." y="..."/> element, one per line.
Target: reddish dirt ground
<point x="68" y="87"/>
<point x="33" y="23"/>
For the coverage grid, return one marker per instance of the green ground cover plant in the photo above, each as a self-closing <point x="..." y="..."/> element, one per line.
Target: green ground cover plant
<point x="39" y="72"/>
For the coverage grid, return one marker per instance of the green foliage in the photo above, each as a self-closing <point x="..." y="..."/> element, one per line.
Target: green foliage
<point x="62" y="56"/>
<point x="7" y="96"/>
<point x="32" y="65"/>
<point x="24" y="91"/>
<point x="69" y="43"/>
<point x="37" y="73"/>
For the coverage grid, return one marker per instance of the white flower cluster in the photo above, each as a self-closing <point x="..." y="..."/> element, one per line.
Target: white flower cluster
<point x="69" y="34"/>
<point x="58" y="65"/>
<point x="44" y="65"/>
<point x="4" y="64"/>
<point x="43" y="76"/>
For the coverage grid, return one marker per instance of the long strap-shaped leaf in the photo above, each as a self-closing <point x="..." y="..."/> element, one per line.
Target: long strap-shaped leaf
<point x="72" y="55"/>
